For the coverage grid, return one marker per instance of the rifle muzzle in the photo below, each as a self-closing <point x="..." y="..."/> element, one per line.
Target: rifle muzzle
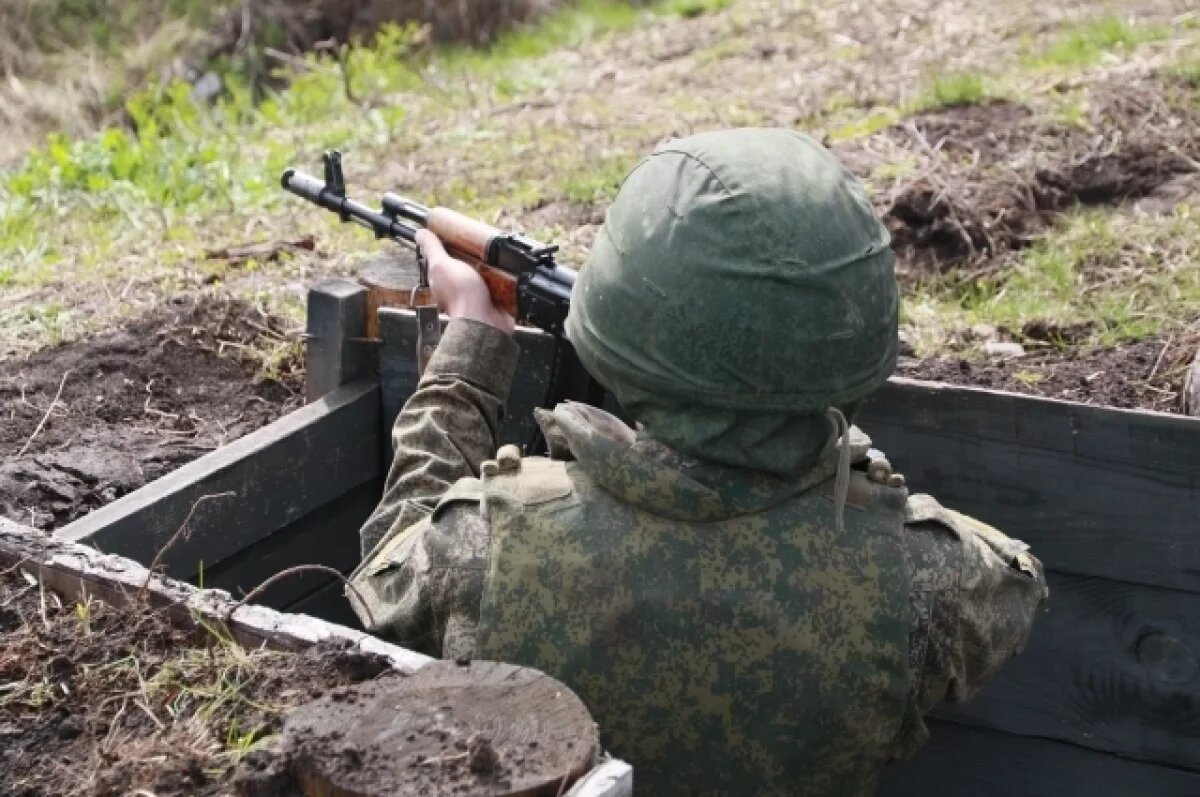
<point x="303" y="185"/>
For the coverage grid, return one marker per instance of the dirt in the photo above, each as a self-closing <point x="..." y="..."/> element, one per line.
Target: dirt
<point x="101" y="701"/>
<point x="134" y="405"/>
<point x="470" y="728"/>
<point x="1148" y="374"/>
<point x="990" y="177"/>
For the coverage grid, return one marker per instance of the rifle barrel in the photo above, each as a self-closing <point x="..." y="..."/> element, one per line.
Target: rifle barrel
<point x="316" y="191"/>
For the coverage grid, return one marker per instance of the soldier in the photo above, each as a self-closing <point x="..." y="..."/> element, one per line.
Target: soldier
<point x="746" y="601"/>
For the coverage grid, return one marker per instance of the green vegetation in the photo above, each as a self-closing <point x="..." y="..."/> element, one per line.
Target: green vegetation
<point x="1088" y="42"/>
<point x="957" y="88"/>
<point x="1129" y="277"/>
<point x="695" y="8"/>
<point x="536" y="129"/>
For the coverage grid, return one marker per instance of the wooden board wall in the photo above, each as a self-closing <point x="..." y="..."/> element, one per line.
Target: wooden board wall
<point x="1110" y="501"/>
<point x="297" y="491"/>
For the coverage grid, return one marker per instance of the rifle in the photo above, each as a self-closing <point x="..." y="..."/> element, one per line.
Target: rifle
<point x="521" y="274"/>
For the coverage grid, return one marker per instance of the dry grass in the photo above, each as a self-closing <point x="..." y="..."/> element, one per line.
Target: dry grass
<point x="538" y="135"/>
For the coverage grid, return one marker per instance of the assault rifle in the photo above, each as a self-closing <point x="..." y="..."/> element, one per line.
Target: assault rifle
<point x="521" y="274"/>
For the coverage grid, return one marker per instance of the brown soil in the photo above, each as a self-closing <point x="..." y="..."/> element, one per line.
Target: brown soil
<point x="101" y="701"/>
<point x="135" y="404"/>
<point x="990" y="177"/>
<point x="1148" y="374"/>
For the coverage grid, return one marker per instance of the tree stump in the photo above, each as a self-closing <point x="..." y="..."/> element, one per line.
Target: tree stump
<point x="389" y="280"/>
<point x="476" y="728"/>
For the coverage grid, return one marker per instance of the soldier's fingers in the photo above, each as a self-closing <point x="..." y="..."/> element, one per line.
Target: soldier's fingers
<point x="431" y="246"/>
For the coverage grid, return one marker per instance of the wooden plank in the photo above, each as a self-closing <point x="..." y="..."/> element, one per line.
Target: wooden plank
<point x="398" y="373"/>
<point x="277" y="475"/>
<point x="327" y="536"/>
<point x="1094" y="491"/>
<point x="337" y="351"/>
<point x="959" y="760"/>
<point x="75" y="571"/>
<point x="1109" y="666"/>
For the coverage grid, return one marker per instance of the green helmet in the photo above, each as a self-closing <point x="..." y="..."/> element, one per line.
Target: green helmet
<point x="742" y="284"/>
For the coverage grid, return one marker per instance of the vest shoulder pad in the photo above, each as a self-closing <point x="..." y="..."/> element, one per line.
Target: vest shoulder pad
<point x="530" y="480"/>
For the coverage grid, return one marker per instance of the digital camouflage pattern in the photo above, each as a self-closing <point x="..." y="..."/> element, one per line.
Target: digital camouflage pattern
<point x="972" y="592"/>
<point x="727" y="638"/>
<point x="766" y="282"/>
<point x="695" y="581"/>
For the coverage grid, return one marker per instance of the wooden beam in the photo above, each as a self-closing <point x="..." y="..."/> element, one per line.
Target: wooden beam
<point x="338" y="351"/>
<point x="959" y="760"/>
<point x="75" y="571"/>
<point x="1110" y="666"/>
<point x="276" y="475"/>
<point x="1094" y="491"/>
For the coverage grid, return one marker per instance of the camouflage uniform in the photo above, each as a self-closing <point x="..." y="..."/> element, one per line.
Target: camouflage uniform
<point x="743" y="611"/>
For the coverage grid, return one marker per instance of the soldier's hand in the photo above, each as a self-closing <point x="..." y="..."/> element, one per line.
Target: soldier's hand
<point x="459" y="289"/>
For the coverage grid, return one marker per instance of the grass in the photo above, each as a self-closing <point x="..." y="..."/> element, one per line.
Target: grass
<point x="1087" y="43"/>
<point x="957" y="88"/>
<point x="551" y="115"/>
<point x="1130" y="277"/>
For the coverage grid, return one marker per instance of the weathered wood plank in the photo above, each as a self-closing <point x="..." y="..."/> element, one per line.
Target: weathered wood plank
<point x="277" y="474"/>
<point x="398" y="373"/>
<point x="1110" y="666"/>
<point x="326" y="536"/>
<point x="337" y="351"/>
<point x="74" y="571"/>
<point x="1095" y="491"/>
<point x="960" y="760"/>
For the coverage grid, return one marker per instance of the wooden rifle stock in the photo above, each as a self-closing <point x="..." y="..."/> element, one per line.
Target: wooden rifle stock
<point x="467" y="239"/>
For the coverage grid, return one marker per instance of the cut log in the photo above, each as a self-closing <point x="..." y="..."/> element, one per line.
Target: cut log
<point x="475" y="728"/>
<point x="389" y="281"/>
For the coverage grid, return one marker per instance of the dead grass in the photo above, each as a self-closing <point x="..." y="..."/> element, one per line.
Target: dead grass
<point x="96" y="700"/>
<point x="539" y="134"/>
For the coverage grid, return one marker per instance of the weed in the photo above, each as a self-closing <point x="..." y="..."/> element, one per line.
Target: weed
<point x="956" y="88"/>
<point x="1088" y="42"/>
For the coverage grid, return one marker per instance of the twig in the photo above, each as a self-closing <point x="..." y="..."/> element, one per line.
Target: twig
<point x="1161" y="354"/>
<point x="46" y="417"/>
<point x="180" y="532"/>
<point x="291" y="571"/>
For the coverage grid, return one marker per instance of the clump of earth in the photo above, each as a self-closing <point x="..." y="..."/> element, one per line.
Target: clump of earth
<point x="89" y="421"/>
<point x="105" y="701"/>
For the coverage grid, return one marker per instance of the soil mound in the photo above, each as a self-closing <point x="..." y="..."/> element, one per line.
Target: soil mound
<point x="101" y="701"/>
<point x="1148" y="374"/>
<point x="989" y="177"/>
<point x="132" y="406"/>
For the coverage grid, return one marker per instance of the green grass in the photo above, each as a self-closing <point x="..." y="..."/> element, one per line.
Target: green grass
<point x="1130" y="276"/>
<point x="1087" y="43"/>
<point x="956" y="88"/>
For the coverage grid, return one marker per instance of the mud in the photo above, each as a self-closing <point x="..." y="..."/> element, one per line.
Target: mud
<point x="134" y="405"/>
<point x="101" y="701"/>
<point x="990" y="177"/>
<point x="1148" y="374"/>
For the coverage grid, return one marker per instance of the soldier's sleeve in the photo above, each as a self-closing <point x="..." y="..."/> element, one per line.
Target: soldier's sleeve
<point x="447" y="428"/>
<point x="975" y="594"/>
<point x="423" y="585"/>
<point x="425" y="547"/>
